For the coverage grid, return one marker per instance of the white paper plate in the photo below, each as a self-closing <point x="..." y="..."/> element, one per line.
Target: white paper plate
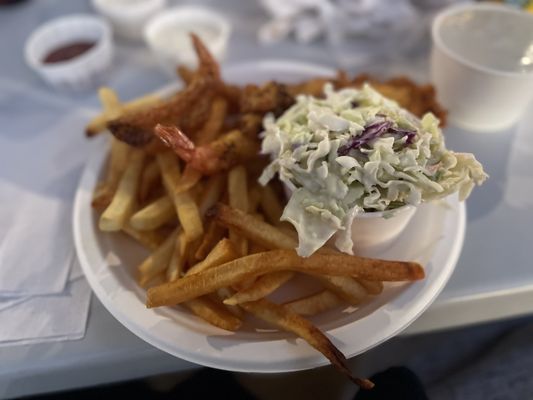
<point x="434" y="237"/>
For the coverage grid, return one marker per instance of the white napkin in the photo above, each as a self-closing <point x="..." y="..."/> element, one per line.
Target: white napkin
<point x="39" y="172"/>
<point x="47" y="318"/>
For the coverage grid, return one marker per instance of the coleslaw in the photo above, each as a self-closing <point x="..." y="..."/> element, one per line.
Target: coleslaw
<point x="356" y="151"/>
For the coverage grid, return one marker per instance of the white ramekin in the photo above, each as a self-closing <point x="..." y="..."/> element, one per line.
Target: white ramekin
<point x="373" y="232"/>
<point x="190" y="19"/>
<point x="128" y="18"/>
<point x="81" y="72"/>
<point x="376" y="231"/>
<point x="479" y="92"/>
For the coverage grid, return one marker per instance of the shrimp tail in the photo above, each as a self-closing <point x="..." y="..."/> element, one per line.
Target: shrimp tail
<point x="174" y="138"/>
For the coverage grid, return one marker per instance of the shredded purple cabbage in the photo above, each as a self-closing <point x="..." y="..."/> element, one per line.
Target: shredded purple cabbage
<point x="372" y="132"/>
<point x="400" y="133"/>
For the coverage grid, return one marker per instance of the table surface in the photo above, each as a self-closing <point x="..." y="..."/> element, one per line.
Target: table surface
<point x="493" y="279"/>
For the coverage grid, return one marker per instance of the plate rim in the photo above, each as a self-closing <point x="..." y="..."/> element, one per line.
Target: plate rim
<point x="89" y="176"/>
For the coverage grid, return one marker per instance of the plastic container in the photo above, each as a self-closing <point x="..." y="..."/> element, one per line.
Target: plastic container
<point x="128" y="17"/>
<point x="482" y="64"/>
<point x="81" y="72"/>
<point x="374" y="231"/>
<point x="168" y="36"/>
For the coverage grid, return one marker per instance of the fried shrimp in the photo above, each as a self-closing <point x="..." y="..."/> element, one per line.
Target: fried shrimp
<point x="136" y="129"/>
<point x="228" y="150"/>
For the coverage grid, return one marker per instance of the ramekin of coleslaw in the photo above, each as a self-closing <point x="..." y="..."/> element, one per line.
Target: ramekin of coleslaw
<point x="356" y="155"/>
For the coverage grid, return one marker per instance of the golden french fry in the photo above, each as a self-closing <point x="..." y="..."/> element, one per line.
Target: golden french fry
<point x="213" y="313"/>
<point x="257" y="231"/>
<point x="212" y="192"/>
<point x="117" y="213"/>
<point x="155" y="281"/>
<point x="154" y="215"/>
<point x="284" y="318"/>
<point x="177" y="261"/>
<point x="372" y="287"/>
<point x="254" y="198"/>
<point x="223" y="294"/>
<point x="158" y="261"/>
<point x="346" y="287"/>
<point x="230" y="273"/>
<point x="213" y="234"/>
<point x="149" y="179"/>
<point x="186" y="208"/>
<point x="271" y="204"/>
<point x="102" y="196"/>
<point x="188" y="180"/>
<point x="255" y="248"/>
<point x="149" y="239"/>
<point x="119" y="154"/>
<point x="213" y="125"/>
<point x="223" y="252"/>
<point x="238" y="199"/>
<point x="272" y="237"/>
<point x="315" y="303"/>
<point x="99" y="123"/>
<point x="262" y="287"/>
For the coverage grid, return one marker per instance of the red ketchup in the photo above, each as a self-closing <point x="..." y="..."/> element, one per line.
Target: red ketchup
<point x="68" y="52"/>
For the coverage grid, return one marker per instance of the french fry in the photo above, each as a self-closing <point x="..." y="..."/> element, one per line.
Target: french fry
<point x="230" y="273"/>
<point x="346" y="287"/>
<point x="177" y="261"/>
<point x="272" y="237"/>
<point x="262" y="287"/>
<point x="213" y="234"/>
<point x="213" y="125"/>
<point x="150" y="177"/>
<point x="223" y="294"/>
<point x="117" y="213"/>
<point x="257" y="231"/>
<point x="271" y="205"/>
<point x="154" y="215"/>
<point x="155" y="281"/>
<point x="102" y="196"/>
<point x="186" y="208"/>
<point x="158" y="261"/>
<point x="372" y="287"/>
<point x="223" y="252"/>
<point x="119" y="152"/>
<point x="284" y="318"/>
<point x="191" y="252"/>
<point x="213" y="313"/>
<point x="149" y="239"/>
<point x="254" y="198"/>
<point x="315" y="303"/>
<point x="255" y="248"/>
<point x="238" y="199"/>
<point x="188" y="179"/>
<point x="212" y="192"/>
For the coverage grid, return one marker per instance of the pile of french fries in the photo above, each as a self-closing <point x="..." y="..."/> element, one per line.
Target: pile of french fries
<point x="217" y="246"/>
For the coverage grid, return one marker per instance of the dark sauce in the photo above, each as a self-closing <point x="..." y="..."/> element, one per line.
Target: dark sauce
<point x="68" y="52"/>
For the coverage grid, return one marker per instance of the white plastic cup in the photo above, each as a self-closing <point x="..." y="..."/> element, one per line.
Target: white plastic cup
<point x="374" y="231"/>
<point x="128" y="18"/>
<point x="185" y="20"/>
<point x="81" y="72"/>
<point x="482" y="64"/>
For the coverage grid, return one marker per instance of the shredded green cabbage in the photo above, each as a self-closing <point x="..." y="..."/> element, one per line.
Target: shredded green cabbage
<point x="330" y="187"/>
